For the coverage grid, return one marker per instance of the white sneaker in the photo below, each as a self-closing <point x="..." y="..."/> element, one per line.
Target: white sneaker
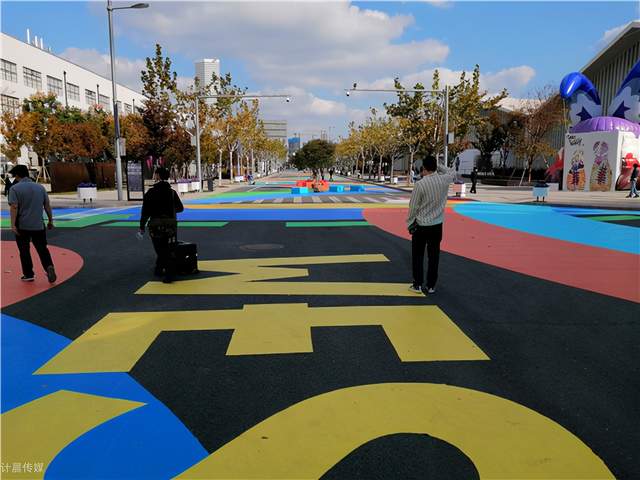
<point x="415" y="289"/>
<point x="431" y="290"/>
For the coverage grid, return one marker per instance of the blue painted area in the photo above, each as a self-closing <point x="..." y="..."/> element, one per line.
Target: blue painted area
<point x="548" y="222"/>
<point x="299" y="190"/>
<point x="336" y="188"/>
<point x="593" y="211"/>
<point x="148" y="442"/>
<point x="267" y="214"/>
<point x="267" y="196"/>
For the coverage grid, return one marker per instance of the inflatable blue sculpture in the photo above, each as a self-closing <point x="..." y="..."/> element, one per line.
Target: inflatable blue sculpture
<point x="616" y="136"/>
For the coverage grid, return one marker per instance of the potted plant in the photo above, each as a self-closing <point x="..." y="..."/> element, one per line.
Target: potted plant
<point x="87" y="191"/>
<point x="540" y="190"/>
<point x="459" y="188"/>
<point x="195" y="185"/>
<point x="183" y="186"/>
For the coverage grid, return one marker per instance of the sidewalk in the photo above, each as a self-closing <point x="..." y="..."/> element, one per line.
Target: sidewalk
<point x="108" y="198"/>
<point x="500" y="194"/>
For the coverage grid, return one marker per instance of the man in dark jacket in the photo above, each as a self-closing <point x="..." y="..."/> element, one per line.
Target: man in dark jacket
<point x="159" y="207"/>
<point x="474" y="180"/>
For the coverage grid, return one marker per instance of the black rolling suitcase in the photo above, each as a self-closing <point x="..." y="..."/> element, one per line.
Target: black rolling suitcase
<point x="186" y="257"/>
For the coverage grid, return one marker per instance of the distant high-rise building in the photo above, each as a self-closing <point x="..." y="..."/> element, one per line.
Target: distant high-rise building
<point x="205" y="69"/>
<point x="294" y="145"/>
<point x="276" y="129"/>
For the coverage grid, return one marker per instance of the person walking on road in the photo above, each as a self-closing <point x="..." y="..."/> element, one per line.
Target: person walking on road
<point x="634" y="182"/>
<point x="426" y="214"/>
<point x="331" y="170"/>
<point x="28" y="200"/>
<point x="160" y="205"/>
<point x="474" y="180"/>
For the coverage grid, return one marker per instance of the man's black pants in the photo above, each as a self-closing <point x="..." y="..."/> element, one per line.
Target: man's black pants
<point x="39" y="239"/>
<point x="163" y="246"/>
<point x="473" y="187"/>
<point x="429" y="237"/>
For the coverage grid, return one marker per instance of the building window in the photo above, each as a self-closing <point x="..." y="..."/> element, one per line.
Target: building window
<point x="32" y="78"/>
<point x="90" y="97"/>
<point x="10" y="104"/>
<point x="9" y="71"/>
<point x="73" y="92"/>
<point x="127" y="109"/>
<point x="54" y="85"/>
<point x="105" y="102"/>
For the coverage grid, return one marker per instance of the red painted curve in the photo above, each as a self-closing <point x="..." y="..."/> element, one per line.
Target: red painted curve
<point x="608" y="272"/>
<point x="67" y="263"/>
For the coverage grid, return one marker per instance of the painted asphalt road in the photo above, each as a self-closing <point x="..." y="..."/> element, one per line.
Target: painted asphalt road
<point x="504" y="372"/>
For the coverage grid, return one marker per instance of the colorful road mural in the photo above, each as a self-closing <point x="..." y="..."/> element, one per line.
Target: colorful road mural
<point x="299" y="352"/>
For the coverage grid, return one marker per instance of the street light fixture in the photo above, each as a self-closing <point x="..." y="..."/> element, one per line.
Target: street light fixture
<point x="205" y="97"/>
<point x="116" y="120"/>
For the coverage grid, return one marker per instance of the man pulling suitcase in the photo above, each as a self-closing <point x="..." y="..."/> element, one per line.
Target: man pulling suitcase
<point x="159" y="208"/>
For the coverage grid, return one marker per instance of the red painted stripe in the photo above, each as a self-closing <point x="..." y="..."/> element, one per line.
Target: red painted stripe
<point x="604" y="271"/>
<point x="67" y="263"/>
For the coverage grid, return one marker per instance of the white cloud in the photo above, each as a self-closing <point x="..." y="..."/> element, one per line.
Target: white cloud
<point x="127" y="71"/>
<point x="610" y="34"/>
<point x="514" y="79"/>
<point x="312" y="44"/>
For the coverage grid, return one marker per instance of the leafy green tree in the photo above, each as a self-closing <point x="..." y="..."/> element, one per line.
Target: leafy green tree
<point x="158" y="114"/>
<point x="490" y="137"/>
<point x="316" y="155"/>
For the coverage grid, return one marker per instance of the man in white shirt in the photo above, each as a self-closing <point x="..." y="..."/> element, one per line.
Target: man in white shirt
<point x="426" y="214"/>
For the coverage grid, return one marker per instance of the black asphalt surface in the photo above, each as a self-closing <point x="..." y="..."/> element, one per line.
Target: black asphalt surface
<point x="569" y="354"/>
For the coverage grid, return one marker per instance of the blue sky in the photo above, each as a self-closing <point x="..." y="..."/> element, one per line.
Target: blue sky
<point x="314" y="50"/>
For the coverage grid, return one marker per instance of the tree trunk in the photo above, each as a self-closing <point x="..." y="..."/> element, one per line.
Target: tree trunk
<point x="231" y="165"/>
<point x="410" y="175"/>
<point x="220" y="168"/>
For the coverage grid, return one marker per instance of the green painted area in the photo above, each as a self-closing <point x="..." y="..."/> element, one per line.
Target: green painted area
<point x="89" y="220"/>
<point x="608" y="218"/>
<point x="328" y="224"/>
<point x="180" y="224"/>
<point x="79" y="222"/>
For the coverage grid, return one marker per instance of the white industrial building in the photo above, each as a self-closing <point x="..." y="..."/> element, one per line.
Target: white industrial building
<point x="27" y="67"/>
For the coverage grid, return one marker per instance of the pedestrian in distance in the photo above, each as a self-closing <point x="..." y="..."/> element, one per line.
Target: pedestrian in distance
<point x="160" y="205"/>
<point x="474" y="180"/>
<point x="426" y="215"/>
<point x="634" y="182"/>
<point x="7" y="184"/>
<point x="331" y="170"/>
<point x="28" y="200"/>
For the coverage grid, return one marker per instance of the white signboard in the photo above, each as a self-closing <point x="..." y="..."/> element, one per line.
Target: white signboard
<point x="592" y="161"/>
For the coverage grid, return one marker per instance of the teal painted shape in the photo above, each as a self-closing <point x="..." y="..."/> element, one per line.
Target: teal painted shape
<point x="548" y="222"/>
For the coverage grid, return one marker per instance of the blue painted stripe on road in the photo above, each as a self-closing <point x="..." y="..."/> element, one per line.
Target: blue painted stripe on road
<point x="148" y="442"/>
<point x="546" y="222"/>
<point x="264" y="214"/>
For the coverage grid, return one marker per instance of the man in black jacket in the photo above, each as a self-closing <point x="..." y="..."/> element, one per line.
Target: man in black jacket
<point x="474" y="179"/>
<point x="160" y="205"/>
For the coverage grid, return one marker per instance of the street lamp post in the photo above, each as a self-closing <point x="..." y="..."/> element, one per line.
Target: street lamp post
<point x="204" y="97"/>
<point x="116" y="119"/>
